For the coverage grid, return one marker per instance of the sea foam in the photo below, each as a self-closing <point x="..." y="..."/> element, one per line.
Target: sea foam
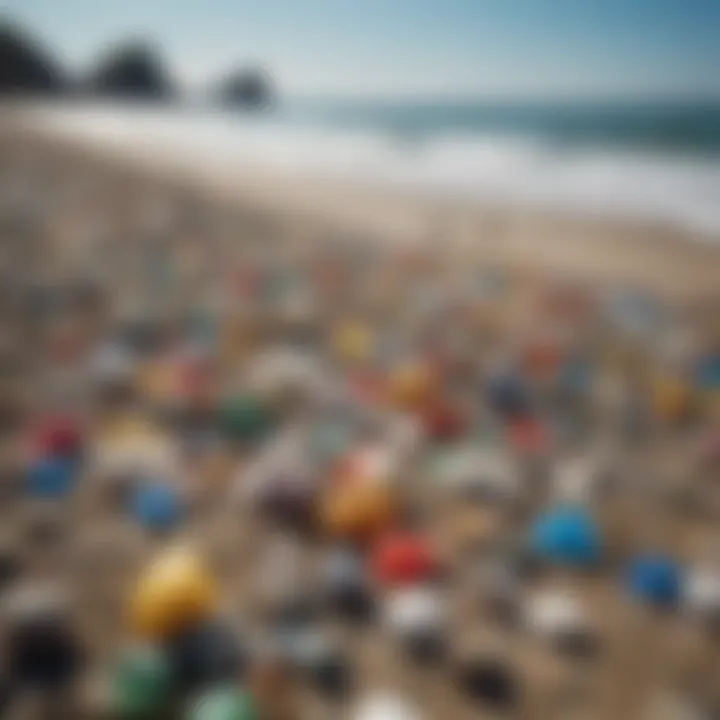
<point x="681" y="190"/>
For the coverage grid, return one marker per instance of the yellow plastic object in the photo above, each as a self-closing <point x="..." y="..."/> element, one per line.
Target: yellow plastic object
<point x="412" y="385"/>
<point x="357" y="511"/>
<point x="352" y="342"/>
<point x="175" y="593"/>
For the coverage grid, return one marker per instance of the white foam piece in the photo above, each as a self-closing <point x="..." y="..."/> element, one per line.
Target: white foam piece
<point x="481" y="468"/>
<point x="575" y="480"/>
<point x="33" y="599"/>
<point x="553" y="612"/>
<point x="415" y="609"/>
<point x="701" y="591"/>
<point x="384" y="706"/>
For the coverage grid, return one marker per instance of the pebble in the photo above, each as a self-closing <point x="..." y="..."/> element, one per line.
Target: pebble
<point x="490" y="681"/>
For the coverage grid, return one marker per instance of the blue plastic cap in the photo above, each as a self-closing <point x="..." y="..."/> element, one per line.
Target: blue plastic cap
<point x="655" y="579"/>
<point x="157" y="506"/>
<point x="52" y="477"/>
<point x="566" y="535"/>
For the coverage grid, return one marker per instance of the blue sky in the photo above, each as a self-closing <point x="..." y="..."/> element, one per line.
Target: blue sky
<point x="506" y="47"/>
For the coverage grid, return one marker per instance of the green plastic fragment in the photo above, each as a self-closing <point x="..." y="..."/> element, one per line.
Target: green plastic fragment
<point x="141" y="683"/>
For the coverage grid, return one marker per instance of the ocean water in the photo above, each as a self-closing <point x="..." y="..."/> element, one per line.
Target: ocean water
<point x="656" y="161"/>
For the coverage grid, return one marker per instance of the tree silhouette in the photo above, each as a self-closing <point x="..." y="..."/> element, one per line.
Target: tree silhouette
<point x="25" y="65"/>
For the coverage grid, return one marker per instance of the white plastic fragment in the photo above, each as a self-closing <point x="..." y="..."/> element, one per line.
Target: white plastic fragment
<point x="384" y="706"/>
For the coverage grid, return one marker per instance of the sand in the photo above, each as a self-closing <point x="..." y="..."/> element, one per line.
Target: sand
<point x="668" y="259"/>
<point x="528" y="243"/>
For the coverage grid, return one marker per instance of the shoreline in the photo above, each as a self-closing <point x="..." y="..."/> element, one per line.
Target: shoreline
<point x="667" y="259"/>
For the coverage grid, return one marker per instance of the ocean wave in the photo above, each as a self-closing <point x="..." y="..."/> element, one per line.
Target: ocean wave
<point x="492" y="167"/>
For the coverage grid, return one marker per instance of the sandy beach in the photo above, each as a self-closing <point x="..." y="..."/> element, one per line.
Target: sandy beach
<point x="359" y="360"/>
<point x="99" y="200"/>
<point x="587" y="247"/>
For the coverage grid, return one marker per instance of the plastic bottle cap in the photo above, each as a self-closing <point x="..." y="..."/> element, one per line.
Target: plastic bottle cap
<point x="357" y="512"/>
<point x="52" y="477"/>
<point x="403" y="558"/>
<point x="157" y="506"/>
<point x="174" y="594"/>
<point x="655" y="579"/>
<point x="566" y="535"/>
<point x="59" y="437"/>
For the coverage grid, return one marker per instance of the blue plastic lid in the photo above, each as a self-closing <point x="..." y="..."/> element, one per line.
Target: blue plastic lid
<point x="656" y="579"/>
<point x="566" y="535"/>
<point x="52" y="477"/>
<point x="157" y="506"/>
